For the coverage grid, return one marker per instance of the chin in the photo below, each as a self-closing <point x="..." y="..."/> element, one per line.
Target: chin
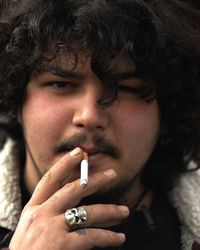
<point x="110" y="196"/>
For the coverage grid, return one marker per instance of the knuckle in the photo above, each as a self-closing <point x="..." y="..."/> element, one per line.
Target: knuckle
<point x="47" y="176"/>
<point x="88" y="210"/>
<point x="34" y="214"/>
<point x="70" y="187"/>
<point x="102" y="238"/>
<point x="31" y="215"/>
<point x="27" y="212"/>
<point x="95" y="235"/>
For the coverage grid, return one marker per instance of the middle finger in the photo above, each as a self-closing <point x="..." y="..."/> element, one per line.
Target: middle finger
<point x="71" y="194"/>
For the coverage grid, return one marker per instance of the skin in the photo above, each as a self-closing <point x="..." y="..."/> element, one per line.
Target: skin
<point x="54" y="112"/>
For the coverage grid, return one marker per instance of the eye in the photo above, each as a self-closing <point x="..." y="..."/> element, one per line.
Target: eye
<point x="129" y="89"/>
<point x="61" y="84"/>
<point x="147" y="94"/>
<point x="61" y="87"/>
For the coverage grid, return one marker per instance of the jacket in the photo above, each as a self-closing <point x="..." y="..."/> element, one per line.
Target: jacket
<point x="185" y="196"/>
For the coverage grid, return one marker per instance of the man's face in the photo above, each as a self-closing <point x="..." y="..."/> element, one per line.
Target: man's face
<point x="61" y="111"/>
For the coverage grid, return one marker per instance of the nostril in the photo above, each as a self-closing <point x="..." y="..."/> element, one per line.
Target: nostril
<point x="90" y="118"/>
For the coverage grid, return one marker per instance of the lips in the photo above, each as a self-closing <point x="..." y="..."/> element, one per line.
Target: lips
<point x="94" y="154"/>
<point x="91" y="151"/>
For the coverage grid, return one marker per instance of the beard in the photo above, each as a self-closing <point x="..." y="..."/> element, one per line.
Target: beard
<point x="114" y="195"/>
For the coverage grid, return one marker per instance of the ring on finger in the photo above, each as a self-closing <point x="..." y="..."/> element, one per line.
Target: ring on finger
<point x="75" y="217"/>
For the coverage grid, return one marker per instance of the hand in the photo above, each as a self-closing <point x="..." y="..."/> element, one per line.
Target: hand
<point x="42" y="224"/>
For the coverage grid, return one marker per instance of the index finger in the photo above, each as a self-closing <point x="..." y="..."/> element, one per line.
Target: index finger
<point x="54" y="177"/>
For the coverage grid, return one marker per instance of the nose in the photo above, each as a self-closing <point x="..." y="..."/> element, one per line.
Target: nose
<point x="89" y="114"/>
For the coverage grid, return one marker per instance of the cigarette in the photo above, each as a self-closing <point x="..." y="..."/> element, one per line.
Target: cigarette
<point x="84" y="171"/>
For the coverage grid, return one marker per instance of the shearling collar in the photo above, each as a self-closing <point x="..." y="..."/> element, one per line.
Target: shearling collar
<point x="10" y="196"/>
<point x="186" y="199"/>
<point x="185" y="196"/>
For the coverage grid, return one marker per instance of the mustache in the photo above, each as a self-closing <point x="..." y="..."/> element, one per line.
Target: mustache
<point x="98" y="142"/>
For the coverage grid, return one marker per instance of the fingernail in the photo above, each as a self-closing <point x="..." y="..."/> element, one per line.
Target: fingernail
<point x="110" y="173"/>
<point x="75" y="152"/>
<point x="122" y="236"/>
<point x="124" y="209"/>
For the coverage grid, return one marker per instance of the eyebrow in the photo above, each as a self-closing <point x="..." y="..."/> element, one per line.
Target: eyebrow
<point x="60" y="72"/>
<point x="71" y="74"/>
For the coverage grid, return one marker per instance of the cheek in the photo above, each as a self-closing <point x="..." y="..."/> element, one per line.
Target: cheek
<point x="44" y="122"/>
<point x="43" y="113"/>
<point x="142" y="118"/>
<point x="138" y="129"/>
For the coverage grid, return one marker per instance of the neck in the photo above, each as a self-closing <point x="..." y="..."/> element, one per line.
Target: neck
<point x="137" y="196"/>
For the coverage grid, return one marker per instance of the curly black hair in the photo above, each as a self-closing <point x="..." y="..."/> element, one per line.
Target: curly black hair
<point x="161" y="36"/>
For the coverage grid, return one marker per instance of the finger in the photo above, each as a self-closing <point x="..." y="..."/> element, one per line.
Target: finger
<point x="53" y="179"/>
<point x="71" y="194"/>
<point x="89" y="238"/>
<point x="100" y="215"/>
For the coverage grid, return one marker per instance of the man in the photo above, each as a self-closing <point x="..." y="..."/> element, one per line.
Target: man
<point x="118" y="80"/>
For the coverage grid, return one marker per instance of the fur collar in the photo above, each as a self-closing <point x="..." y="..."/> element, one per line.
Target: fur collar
<point x="10" y="197"/>
<point x="185" y="196"/>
